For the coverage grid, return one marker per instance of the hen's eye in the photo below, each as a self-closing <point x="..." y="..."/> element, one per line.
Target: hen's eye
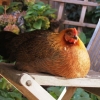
<point x="69" y="33"/>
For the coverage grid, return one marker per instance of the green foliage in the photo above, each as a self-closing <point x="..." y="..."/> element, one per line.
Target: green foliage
<point x="80" y="94"/>
<point x="73" y="12"/>
<point x="83" y="37"/>
<point x="98" y="1"/>
<point x="8" y="92"/>
<point x="1" y="10"/>
<point x="93" y="15"/>
<point x="14" y="6"/>
<point x="55" y="91"/>
<point x="38" y="16"/>
<point x="2" y="60"/>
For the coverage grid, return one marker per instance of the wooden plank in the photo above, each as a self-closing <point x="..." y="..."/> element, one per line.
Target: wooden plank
<point x="69" y="93"/>
<point x="30" y="84"/>
<point x="84" y="3"/>
<point x="92" y="79"/>
<point x="94" y="36"/>
<point x="95" y="91"/>
<point x="82" y="16"/>
<point x="60" y="11"/>
<point x="83" y="13"/>
<point x="79" y="24"/>
<point x="94" y="49"/>
<point x="13" y="79"/>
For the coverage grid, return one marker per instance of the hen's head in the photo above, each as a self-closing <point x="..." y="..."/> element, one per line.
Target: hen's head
<point x="70" y="35"/>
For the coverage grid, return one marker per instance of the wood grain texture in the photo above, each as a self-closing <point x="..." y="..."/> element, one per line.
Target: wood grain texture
<point x="92" y="79"/>
<point x="69" y="93"/>
<point x="86" y="3"/>
<point x="13" y="76"/>
<point x="81" y="22"/>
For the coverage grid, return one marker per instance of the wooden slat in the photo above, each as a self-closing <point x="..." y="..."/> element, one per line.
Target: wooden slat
<point x="13" y="77"/>
<point x="79" y="24"/>
<point x="69" y="93"/>
<point x="92" y="80"/>
<point x="94" y="50"/>
<point x="95" y="91"/>
<point x="82" y="16"/>
<point x="60" y="11"/>
<point x="83" y="13"/>
<point x="86" y="3"/>
<point x="35" y="88"/>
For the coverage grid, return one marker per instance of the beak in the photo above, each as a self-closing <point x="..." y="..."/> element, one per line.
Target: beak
<point x="75" y="37"/>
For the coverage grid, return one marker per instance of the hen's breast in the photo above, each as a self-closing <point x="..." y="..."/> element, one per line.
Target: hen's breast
<point x="69" y="63"/>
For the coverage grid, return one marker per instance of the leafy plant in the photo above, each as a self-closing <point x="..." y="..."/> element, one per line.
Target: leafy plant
<point x="55" y="91"/>
<point x="38" y="16"/>
<point x="8" y="92"/>
<point x="1" y="10"/>
<point x="73" y="11"/>
<point x="83" y="37"/>
<point x="93" y="15"/>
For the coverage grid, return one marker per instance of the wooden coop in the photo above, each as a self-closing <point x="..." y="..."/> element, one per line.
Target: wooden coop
<point x="30" y="83"/>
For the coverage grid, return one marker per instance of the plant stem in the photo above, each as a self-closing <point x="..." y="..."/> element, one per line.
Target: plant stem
<point x="5" y="9"/>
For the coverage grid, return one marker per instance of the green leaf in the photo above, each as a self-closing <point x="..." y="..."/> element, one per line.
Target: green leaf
<point x="87" y="40"/>
<point x="37" y="24"/>
<point x="81" y="98"/>
<point x="97" y="15"/>
<point x="53" y="94"/>
<point x="3" y="98"/>
<point x="12" y="4"/>
<point x="80" y="94"/>
<point x="56" y="90"/>
<point x="83" y="37"/>
<point x="47" y="12"/>
<point x="94" y="20"/>
<point x="3" y="83"/>
<point x="1" y="10"/>
<point x="16" y="95"/>
<point x="98" y="1"/>
<point x="29" y="12"/>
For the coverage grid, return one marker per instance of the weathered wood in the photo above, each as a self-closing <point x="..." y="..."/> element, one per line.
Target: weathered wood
<point x="95" y="91"/>
<point x="94" y="50"/>
<point x="7" y="71"/>
<point x="60" y="11"/>
<point x="92" y="79"/>
<point x="79" y="2"/>
<point x="79" y="24"/>
<point x="69" y="93"/>
<point x="83" y="13"/>
<point x="30" y="84"/>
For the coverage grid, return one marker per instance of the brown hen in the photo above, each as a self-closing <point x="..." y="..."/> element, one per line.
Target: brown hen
<point x="62" y="54"/>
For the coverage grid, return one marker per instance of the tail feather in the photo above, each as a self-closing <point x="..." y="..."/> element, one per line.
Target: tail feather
<point x="5" y="39"/>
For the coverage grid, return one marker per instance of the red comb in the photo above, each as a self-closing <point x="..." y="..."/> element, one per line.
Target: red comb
<point x="75" y="31"/>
